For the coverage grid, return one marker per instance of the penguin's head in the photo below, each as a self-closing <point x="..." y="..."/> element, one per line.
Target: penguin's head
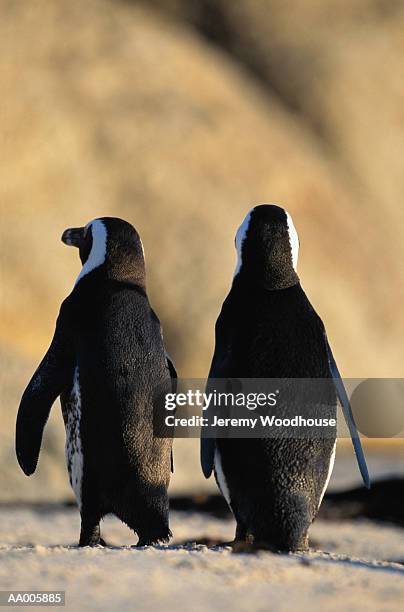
<point x="267" y="247"/>
<point x="111" y="246"/>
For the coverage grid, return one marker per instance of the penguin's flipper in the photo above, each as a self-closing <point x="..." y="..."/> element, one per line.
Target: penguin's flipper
<point x="349" y="418"/>
<point x="217" y="370"/>
<point x="173" y="372"/>
<point x="174" y="377"/>
<point x="52" y="375"/>
<point x="207" y="455"/>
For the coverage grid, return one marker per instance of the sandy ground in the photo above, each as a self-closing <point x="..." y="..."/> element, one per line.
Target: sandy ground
<point x="353" y="566"/>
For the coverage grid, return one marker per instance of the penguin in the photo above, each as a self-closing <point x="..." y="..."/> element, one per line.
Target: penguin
<point x="267" y="328"/>
<point x="106" y="361"/>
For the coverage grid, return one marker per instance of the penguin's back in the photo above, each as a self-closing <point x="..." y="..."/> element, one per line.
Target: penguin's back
<point x="275" y="334"/>
<point x="269" y="334"/>
<point x="121" y="366"/>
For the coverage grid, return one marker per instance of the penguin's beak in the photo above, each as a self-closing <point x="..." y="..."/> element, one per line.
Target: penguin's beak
<point x="74" y="236"/>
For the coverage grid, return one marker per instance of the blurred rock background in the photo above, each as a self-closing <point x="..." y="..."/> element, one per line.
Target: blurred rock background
<point x="179" y="115"/>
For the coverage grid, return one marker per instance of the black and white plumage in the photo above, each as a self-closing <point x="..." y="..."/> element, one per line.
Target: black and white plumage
<point x="267" y="328"/>
<point x="107" y="362"/>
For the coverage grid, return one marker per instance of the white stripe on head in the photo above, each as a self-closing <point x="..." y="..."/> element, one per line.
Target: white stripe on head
<point x="98" y="249"/>
<point x="240" y="237"/>
<point x="293" y="239"/>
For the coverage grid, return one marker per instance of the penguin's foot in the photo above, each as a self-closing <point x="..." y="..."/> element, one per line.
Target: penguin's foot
<point x="242" y="546"/>
<point x="142" y="543"/>
<point x="153" y="541"/>
<point x="251" y="547"/>
<point x="160" y="536"/>
<point x="90" y="534"/>
<point x="91" y="543"/>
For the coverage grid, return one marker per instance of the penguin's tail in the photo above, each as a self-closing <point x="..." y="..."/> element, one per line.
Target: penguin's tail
<point x="145" y="510"/>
